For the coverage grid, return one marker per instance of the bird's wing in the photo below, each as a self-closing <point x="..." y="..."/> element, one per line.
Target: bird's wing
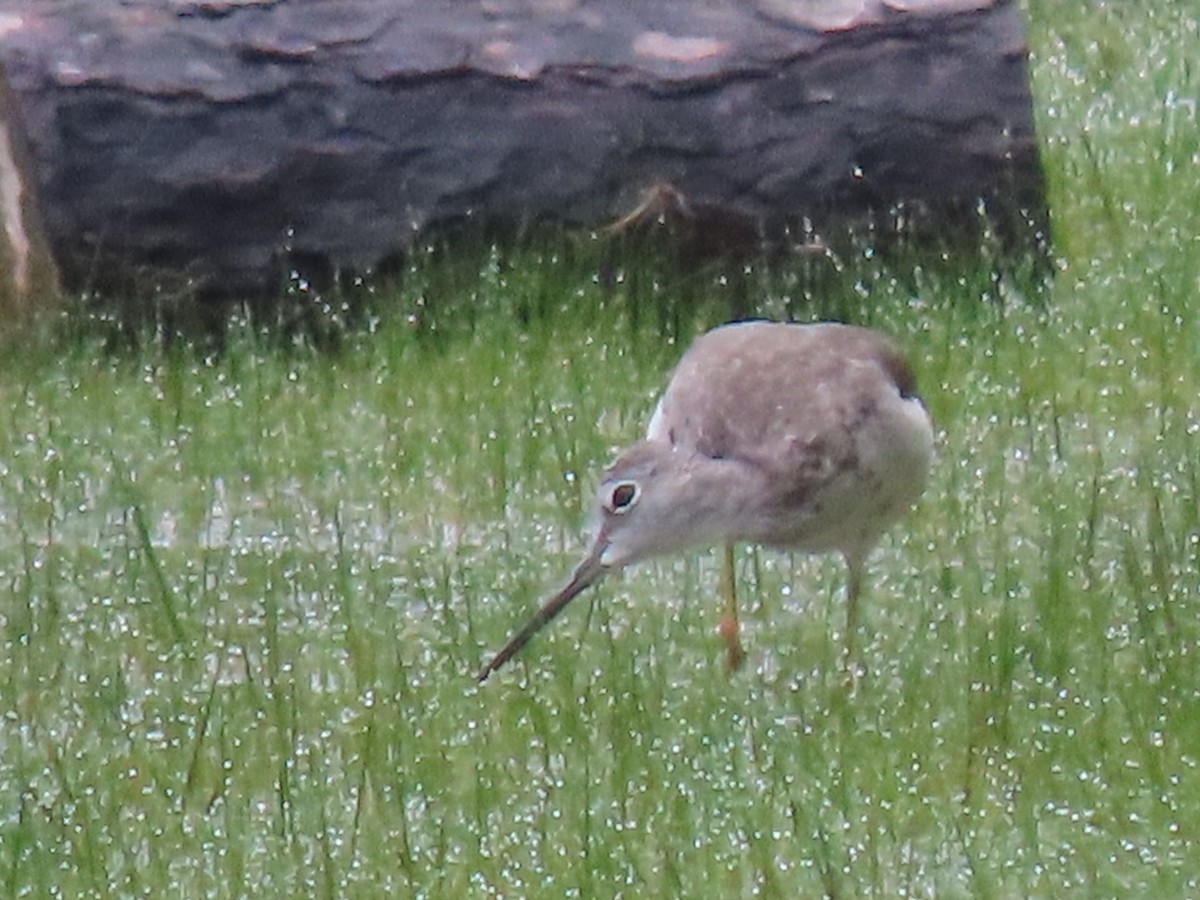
<point x="790" y="407"/>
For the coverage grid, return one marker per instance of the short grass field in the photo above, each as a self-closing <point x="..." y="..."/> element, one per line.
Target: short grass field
<point x="244" y="589"/>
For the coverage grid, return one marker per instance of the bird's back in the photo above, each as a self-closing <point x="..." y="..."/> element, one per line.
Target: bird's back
<point x="742" y="388"/>
<point x="826" y="412"/>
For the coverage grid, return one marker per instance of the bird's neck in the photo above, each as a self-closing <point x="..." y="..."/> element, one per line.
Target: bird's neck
<point x="722" y="499"/>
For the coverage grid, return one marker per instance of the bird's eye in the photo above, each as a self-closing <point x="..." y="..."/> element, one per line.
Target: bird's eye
<point x="623" y="496"/>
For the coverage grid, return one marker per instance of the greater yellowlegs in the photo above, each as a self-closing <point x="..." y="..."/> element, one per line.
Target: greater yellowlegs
<point x="801" y="437"/>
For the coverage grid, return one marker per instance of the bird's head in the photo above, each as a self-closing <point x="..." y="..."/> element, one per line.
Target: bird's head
<point x="655" y="500"/>
<point x="651" y="501"/>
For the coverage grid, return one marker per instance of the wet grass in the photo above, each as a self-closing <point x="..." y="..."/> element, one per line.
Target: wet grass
<point x="246" y="590"/>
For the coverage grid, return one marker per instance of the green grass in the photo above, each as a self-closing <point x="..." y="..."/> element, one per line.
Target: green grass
<point x="245" y="593"/>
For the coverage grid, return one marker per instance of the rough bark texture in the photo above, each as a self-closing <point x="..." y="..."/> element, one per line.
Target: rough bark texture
<point x="223" y="138"/>
<point x="28" y="276"/>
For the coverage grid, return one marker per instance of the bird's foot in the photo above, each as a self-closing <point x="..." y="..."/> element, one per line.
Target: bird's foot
<point x="735" y="656"/>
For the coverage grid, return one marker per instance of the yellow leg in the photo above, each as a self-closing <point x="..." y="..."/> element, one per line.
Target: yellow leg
<point x="729" y="628"/>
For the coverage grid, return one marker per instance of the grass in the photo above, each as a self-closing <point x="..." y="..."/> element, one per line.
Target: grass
<point x="245" y="592"/>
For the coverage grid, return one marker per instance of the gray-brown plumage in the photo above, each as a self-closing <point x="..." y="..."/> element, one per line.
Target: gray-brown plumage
<point x="802" y="437"/>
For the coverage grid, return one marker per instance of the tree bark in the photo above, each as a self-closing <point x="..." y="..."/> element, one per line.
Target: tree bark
<point x="28" y="276"/>
<point x="226" y="141"/>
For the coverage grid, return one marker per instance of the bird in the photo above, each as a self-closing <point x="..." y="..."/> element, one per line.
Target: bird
<point x="804" y="437"/>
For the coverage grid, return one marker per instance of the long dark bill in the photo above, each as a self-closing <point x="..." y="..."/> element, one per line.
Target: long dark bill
<point x="587" y="573"/>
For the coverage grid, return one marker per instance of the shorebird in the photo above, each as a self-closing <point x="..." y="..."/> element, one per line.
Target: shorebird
<point x="798" y="437"/>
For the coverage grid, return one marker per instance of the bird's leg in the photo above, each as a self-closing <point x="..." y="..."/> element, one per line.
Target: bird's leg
<point x="729" y="628"/>
<point x="854" y="567"/>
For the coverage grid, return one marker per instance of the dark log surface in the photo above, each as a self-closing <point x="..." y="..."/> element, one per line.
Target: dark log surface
<point x="217" y="137"/>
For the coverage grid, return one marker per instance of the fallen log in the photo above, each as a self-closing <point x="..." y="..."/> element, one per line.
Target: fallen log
<point x="228" y="141"/>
